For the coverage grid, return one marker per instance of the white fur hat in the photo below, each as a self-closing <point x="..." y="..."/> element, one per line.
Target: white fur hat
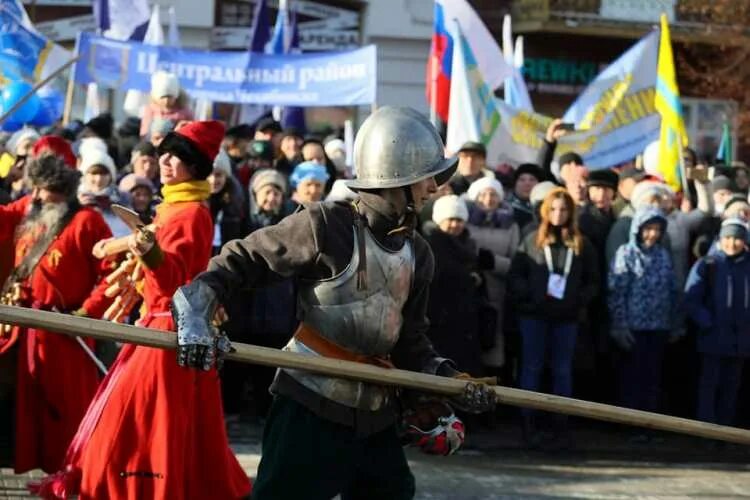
<point x="449" y="207"/>
<point x="483" y="183"/>
<point x="163" y="83"/>
<point x="96" y="157"/>
<point x="222" y="162"/>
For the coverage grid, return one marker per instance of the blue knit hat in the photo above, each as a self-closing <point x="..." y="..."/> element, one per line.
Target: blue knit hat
<point x="734" y="227"/>
<point x="308" y="170"/>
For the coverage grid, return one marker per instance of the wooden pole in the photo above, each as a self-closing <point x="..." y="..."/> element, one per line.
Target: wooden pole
<point x="35" y="88"/>
<point x="77" y="326"/>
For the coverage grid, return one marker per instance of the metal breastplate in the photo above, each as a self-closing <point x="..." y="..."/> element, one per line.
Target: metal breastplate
<point x="362" y="321"/>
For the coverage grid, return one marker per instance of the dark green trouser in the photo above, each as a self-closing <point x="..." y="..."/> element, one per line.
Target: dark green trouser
<point x="307" y="457"/>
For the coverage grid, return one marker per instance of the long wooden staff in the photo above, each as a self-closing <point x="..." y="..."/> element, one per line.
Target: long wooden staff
<point x="77" y="326"/>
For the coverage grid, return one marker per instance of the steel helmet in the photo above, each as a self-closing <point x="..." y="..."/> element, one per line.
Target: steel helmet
<point x="398" y="146"/>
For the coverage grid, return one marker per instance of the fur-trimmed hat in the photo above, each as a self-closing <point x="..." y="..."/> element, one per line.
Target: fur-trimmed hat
<point x="56" y="146"/>
<point x="164" y="84"/>
<point x="50" y="172"/>
<point x="196" y="144"/>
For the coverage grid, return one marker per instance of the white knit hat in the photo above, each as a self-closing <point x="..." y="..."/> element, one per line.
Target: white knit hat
<point x="91" y="144"/>
<point x="164" y="84"/>
<point x="223" y="163"/>
<point x="96" y="157"/>
<point x="449" y="207"/>
<point x="485" y="182"/>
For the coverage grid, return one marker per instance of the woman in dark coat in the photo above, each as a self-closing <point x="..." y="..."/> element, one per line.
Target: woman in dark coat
<point x="554" y="276"/>
<point x="454" y="293"/>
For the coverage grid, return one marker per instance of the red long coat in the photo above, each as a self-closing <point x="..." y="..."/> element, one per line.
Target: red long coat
<point x="156" y="430"/>
<point x="56" y="380"/>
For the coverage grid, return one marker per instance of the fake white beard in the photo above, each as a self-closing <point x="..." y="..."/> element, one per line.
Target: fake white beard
<point x="42" y="217"/>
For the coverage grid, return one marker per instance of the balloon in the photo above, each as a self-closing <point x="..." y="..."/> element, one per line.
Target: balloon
<point x="50" y="107"/>
<point x="10" y="126"/>
<point x="12" y="93"/>
<point x="53" y="99"/>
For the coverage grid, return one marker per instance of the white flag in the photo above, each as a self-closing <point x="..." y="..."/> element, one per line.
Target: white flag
<point x="135" y="100"/>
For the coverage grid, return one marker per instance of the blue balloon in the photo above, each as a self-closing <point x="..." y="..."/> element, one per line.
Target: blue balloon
<point x="10" y="126"/>
<point x="52" y="99"/>
<point x="50" y="107"/>
<point x="12" y="93"/>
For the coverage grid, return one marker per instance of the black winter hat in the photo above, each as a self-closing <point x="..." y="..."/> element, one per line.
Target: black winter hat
<point x="241" y="131"/>
<point x="268" y="124"/>
<point x="604" y="178"/>
<point x="145" y="148"/>
<point x="101" y="126"/>
<point x="476" y="147"/>
<point x="528" y="168"/>
<point x="570" y="158"/>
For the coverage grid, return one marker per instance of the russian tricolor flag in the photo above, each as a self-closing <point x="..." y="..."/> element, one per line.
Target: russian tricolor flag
<point x="489" y="57"/>
<point x="439" y="65"/>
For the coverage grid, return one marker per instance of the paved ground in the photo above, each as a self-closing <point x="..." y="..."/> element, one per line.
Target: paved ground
<point x="602" y="465"/>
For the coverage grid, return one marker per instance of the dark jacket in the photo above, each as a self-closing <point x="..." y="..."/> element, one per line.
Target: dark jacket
<point x="642" y="283"/>
<point x="595" y="225"/>
<point x="717" y="299"/>
<point x="529" y="277"/>
<point x="318" y="243"/>
<point x="227" y="210"/>
<point x="454" y="297"/>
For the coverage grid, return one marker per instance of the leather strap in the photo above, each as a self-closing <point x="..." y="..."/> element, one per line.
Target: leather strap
<point x="329" y="349"/>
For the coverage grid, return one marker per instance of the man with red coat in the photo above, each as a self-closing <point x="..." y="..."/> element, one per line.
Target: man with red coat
<point x="155" y="430"/>
<point x="56" y="379"/>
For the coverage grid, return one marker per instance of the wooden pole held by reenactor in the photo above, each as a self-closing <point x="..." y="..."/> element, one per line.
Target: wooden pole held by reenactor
<point x="77" y="326"/>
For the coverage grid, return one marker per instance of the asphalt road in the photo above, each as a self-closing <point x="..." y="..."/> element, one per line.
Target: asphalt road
<point x="602" y="464"/>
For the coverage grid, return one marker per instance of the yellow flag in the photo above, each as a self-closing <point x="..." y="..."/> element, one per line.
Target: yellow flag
<point x="673" y="136"/>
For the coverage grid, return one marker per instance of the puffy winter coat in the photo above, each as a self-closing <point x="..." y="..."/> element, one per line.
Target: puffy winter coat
<point x="717" y="299"/>
<point x="642" y="282"/>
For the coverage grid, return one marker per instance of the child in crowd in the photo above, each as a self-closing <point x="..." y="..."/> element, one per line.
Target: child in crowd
<point x="717" y="299"/>
<point x="643" y="306"/>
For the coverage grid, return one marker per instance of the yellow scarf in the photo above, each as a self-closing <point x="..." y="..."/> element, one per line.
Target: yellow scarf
<point x="186" y="191"/>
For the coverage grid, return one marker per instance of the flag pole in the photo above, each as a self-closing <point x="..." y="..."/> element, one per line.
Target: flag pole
<point x="69" y="93"/>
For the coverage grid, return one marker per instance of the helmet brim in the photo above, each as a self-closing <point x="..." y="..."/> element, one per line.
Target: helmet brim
<point x="442" y="172"/>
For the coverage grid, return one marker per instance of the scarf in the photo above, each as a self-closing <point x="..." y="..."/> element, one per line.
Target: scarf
<point x="186" y="191"/>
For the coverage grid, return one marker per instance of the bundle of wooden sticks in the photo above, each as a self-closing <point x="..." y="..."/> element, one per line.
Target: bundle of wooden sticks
<point x="124" y="285"/>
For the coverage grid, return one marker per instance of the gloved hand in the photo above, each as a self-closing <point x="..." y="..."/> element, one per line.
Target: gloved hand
<point x="478" y="395"/>
<point x="200" y="344"/>
<point x="623" y="338"/>
<point x="430" y="425"/>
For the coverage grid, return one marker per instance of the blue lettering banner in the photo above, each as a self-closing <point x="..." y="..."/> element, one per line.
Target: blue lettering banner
<point x="344" y="78"/>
